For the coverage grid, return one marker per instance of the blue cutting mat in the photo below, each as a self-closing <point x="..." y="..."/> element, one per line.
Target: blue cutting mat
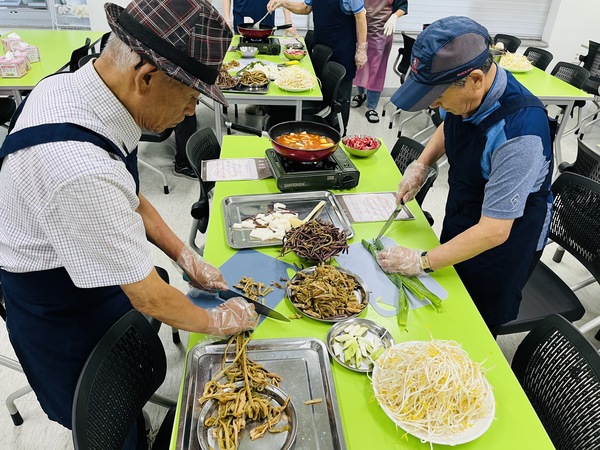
<point x="361" y="262"/>
<point x="252" y="264"/>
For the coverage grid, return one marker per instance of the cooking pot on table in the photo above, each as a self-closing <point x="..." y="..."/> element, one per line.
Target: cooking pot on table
<point x="263" y="32"/>
<point x="296" y="126"/>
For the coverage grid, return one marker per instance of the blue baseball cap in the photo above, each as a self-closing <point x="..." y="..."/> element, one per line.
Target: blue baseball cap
<point x="446" y="51"/>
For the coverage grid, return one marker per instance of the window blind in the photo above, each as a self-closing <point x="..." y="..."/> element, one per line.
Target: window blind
<point x="522" y="18"/>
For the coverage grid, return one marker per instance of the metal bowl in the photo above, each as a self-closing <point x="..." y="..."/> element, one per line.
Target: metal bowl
<point x="248" y="52"/>
<point x="280" y="441"/>
<point x="374" y="331"/>
<point x="361" y="291"/>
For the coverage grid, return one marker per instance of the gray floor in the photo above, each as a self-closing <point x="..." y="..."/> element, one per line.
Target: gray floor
<point x="38" y="432"/>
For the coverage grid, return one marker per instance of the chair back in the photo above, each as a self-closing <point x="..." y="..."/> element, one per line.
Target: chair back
<point x="79" y="53"/>
<point x="405" y="151"/>
<point x="319" y="57"/>
<point x="570" y="73"/>
<point x="403" y="59"/>
<point x="123" y="371"/>
<point x="201" y="146"/>
<point x="575" y="223"/>
<point x="308" y="40"/>
<point x="538" y="57"/>
<point x="559" y="370"/>
<point x="587" y="162"/>
<point x="84" y="60"/>
<point x="591" y="61"/>
<point x="104" y="40"/>
<point x="7" y="109"/>
<point x="511" y="43"/>
<point x="331" y="79"/>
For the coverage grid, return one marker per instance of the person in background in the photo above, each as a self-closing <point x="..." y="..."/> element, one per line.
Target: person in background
<point x="342" y="26"/>
<point x="74" y="228"/>
<point x="251" y="11"/>
<point x="381" y="23"/>
<point x="497" y="138"/>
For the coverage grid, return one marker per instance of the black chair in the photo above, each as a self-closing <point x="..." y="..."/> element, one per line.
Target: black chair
<point x="330" y="111"/>
<point x="559" y="370"/>
<point x="309" y="38"/>
<point x="84" y="60"/>
<point x="12" y="364"/>
<point x="591" y="62"/>
<point x="7" y="109"/>
<point x="119" y="377"/>
<point x="575" y="226"/>
<point x="576" y="76"/>
<point x="319" y="57"/>
<point x="103" y="41"/>
<point x="511" y="43"/>
<point x="404" y="152"/>
<point x="202" y="145"/>
<point x="401" y="66"/>
<point x="79" y="53"/>
<point x="538" y="57"/>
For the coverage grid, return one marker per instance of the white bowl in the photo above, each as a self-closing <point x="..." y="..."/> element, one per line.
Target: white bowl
<point x="248" y="52"/>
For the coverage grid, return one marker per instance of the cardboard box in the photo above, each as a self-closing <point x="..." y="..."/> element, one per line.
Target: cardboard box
<point x="32" y="52"/>
<point x="9" y="41"/>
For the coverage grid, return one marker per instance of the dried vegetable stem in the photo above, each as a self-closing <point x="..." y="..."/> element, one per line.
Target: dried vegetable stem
<point x="237" y="406"/>
<point x="325" y="293"/>
<point x="315" y="240"/>
<point x="253" y="289"/>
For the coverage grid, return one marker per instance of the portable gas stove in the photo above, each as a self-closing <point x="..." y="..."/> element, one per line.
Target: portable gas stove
<point x="335" y="172"/>
<point x="267" y="46"/>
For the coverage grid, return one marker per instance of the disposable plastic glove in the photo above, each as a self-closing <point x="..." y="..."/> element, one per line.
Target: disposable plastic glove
<point x="390" y="25"/>
<point x="415" y="176"/>
<point x="402" y="260"/>
<point x="232" y="317"/>
<point x="291" y="32"/>
<point x="360" y="57"/>
<point x="201" y="274"/>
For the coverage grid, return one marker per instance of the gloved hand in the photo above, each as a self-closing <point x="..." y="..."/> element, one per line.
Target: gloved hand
<point x="274" y="4"/>
<point x="232" y="317"/>
<point x="360" y="57"/>
<point x="402" y="260"/>
<point x="291" y="32"/>
<point x="413" y="179"/>
<point x="390" y="25"/>
<point x="201" y="274"/>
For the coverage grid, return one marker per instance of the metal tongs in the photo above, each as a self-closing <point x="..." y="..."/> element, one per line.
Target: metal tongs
<point x="392" y="217"/>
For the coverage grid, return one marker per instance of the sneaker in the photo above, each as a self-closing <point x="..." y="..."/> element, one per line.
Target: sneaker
<point x="185" y="171"/>
<point x="253" y="109"/>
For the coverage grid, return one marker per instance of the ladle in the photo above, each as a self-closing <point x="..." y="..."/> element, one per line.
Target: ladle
<point x="256" y="26"/>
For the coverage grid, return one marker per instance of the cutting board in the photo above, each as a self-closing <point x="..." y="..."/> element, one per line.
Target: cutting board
<point x="252" y="264"/>
<point x="384" y="294"/>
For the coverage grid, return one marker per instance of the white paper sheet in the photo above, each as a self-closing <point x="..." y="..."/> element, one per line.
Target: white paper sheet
<point x="372" y="207"/>
<point x="235" y="169"/>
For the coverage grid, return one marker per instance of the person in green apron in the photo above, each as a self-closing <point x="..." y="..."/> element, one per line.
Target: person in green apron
<point x="74" y="228"/>
<point x="342" y="26"/>
<point x="498" y="141"/>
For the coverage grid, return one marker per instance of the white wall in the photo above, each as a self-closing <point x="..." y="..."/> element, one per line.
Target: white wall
<point x="571" y="23"/>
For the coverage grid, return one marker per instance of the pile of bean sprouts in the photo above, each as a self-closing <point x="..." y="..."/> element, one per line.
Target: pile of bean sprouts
<point x="431" y="388"/>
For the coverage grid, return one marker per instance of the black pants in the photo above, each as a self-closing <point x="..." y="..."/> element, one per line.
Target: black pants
<point x="344" y="94"/>
<point x="183" y="131"/>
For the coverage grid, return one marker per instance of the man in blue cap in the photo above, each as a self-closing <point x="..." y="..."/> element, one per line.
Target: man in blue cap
<point x="497" y="140"/>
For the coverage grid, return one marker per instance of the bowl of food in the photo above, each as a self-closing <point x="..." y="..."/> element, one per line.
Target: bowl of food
<point x="248" y="52"/>
<point x="295" y="46"/>
<point x="315" y="241"/>
<point x="294" y="54"/>
<point x="360" y="145"/>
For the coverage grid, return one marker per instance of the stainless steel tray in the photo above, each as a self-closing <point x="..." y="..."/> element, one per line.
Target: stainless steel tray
<point x="304" y="367"/>
<point x="237" y="208"/>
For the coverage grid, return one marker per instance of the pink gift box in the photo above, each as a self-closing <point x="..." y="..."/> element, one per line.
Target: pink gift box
<point x="9" y="42"/>
<point x="13" y="68"/>
<point x="32" y="52"/>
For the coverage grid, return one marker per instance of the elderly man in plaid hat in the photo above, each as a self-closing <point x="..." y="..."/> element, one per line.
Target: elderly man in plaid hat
<point x="74" y="228"/>
<point x="497" y="139"/>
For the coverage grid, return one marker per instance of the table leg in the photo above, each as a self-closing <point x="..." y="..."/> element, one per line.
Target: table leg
<point x="218" y="109"/>
<point x="299" y="109"/>
<point x="559" y="133"/>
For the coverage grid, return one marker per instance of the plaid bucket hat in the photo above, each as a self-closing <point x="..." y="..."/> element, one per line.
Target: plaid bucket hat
<point x="185" y="39"/>
<point x="446" y="51"/>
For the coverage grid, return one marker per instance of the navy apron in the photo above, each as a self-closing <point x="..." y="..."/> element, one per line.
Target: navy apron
<point x="495" y="278"/>
<point x="251" y="8"/>
<point x="54" y="325"/>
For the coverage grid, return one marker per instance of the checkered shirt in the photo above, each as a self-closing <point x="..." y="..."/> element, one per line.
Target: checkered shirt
<point x="72" y="204"/>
